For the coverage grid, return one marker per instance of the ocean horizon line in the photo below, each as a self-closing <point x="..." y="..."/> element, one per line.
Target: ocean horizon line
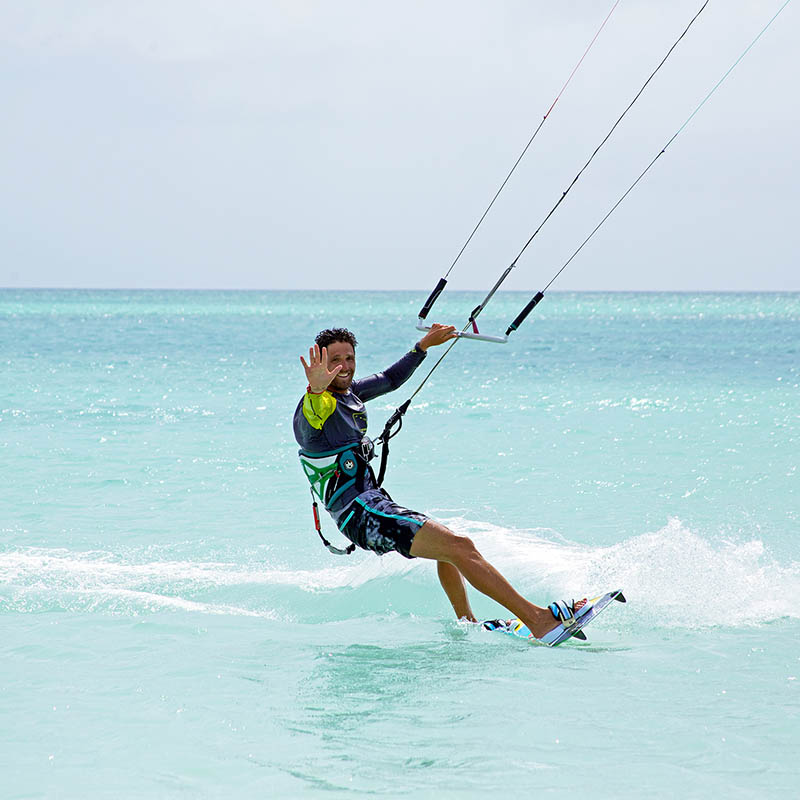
<point x="201" y="290"/>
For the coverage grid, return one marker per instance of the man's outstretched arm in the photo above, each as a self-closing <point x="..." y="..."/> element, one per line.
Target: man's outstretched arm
<point x="395" y="376"/>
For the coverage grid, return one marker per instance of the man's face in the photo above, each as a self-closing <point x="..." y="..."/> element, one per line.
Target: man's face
<point x="342" y="353"/>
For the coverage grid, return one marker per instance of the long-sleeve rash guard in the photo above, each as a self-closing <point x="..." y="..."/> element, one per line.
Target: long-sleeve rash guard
<point x="332" y="420"/>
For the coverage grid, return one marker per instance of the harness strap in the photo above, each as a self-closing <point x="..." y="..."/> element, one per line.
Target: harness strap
<point x="334" y="473"/>
<point x="335" y="550"/>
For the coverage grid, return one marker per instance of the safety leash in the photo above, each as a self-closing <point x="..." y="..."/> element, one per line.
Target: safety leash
<point x="335" y="550"/>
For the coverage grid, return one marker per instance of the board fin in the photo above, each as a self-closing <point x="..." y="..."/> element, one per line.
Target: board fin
<point x="619" y="597"/>
<point x="579" y="635"/>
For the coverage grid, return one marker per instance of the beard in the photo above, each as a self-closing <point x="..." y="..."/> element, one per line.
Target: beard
<point x="341" y="384"/>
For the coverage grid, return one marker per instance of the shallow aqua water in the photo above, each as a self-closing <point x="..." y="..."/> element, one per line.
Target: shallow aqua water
<point x="171" y="625"/>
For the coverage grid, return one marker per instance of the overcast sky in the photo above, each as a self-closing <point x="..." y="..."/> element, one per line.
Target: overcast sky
<point x="347" y="145"/>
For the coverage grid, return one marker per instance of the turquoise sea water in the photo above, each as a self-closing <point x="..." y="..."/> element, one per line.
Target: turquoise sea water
<point x="170" y="625"/>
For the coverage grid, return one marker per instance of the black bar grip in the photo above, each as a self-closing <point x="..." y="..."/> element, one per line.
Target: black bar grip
<point x="432" y="299"/>
<point x="524" y="313"/>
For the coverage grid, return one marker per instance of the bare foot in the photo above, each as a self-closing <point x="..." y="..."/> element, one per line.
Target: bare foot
<point x="545" y="622"/>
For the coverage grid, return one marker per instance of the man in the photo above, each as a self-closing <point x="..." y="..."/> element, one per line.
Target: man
<point x="330" y="425"/>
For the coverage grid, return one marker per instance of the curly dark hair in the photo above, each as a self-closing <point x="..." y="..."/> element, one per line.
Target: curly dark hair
<point x="331" y="335"/>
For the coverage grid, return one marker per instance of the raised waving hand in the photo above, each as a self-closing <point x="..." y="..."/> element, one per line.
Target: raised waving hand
<point x="317" y="372"/>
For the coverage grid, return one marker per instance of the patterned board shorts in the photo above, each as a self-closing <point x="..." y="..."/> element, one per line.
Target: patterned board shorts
<point x="376" y="522"/>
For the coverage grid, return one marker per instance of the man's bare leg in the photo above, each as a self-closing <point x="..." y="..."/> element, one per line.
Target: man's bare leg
<point x="453" y="584"/>
<point x="436" y="542"/>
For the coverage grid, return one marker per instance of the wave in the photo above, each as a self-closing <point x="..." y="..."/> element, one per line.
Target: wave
<point x="57" y="579"/>
<point x="673" y="577"/>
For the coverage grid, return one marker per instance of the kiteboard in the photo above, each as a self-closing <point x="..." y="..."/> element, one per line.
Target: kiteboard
<point x="562" y="631"/>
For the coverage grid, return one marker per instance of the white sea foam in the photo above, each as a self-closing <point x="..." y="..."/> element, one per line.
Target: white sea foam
<point x="33" y="579"/>
<point x="672" y="577"/>
<point x="34" y="565"/>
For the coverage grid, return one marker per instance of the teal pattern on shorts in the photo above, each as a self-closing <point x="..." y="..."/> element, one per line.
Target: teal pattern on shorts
<point x="377" y="523"/>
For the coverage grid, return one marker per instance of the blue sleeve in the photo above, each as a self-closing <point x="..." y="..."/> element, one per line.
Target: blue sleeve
<point x="391" y="378"/>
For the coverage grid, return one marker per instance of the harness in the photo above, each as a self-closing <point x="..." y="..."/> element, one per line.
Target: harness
<point x="331" y="474"/>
